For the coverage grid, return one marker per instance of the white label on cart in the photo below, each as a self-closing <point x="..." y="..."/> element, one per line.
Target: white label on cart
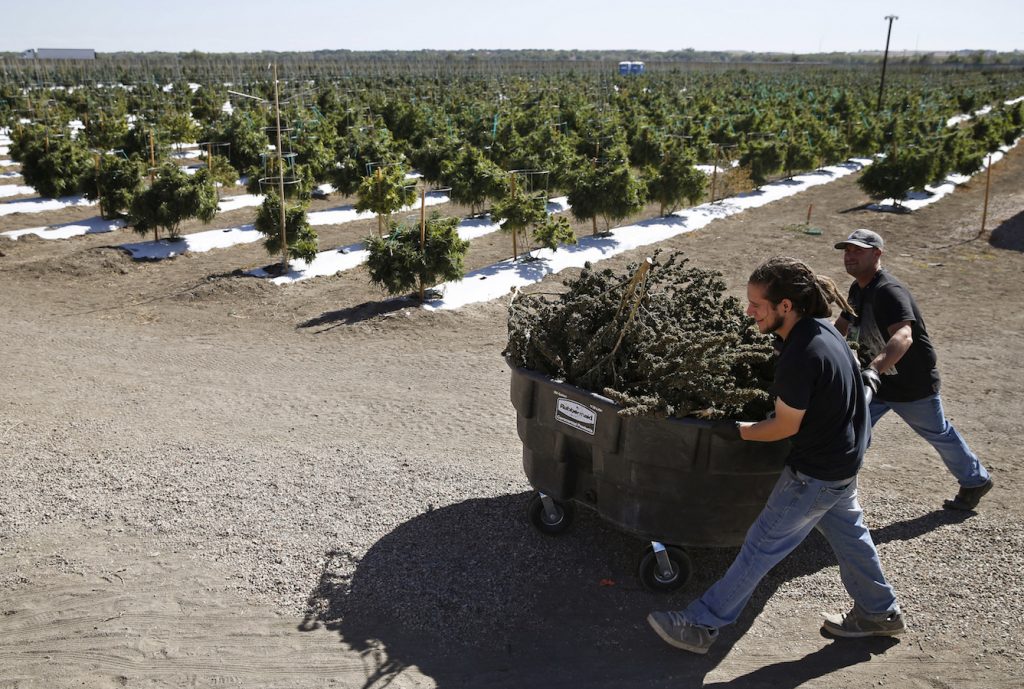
<point x="576" y="415"/>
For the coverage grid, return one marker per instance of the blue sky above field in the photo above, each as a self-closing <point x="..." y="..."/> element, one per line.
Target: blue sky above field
<point x="800" y="26"/>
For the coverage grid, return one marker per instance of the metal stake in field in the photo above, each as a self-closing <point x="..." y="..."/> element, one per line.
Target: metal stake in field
<point x="885" y="59"/>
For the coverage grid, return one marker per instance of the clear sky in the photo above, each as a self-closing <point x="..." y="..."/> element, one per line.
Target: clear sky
<point x="800" y="26"/>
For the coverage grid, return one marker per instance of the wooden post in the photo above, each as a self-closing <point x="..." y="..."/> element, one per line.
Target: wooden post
<point x="99" y="197"/>
<point x="515" y="248"/>
<point x="423" y="235"/>
<point x="280" y="177"/>
<point x="810" y="207"/>
<point x="152" y="156"/>
<point x="380" y="218"/>
<point x="988" y="180"/>
<point x="152" y="173"/>
<point x="714" y="175"/>
<point x="209" y="166"/>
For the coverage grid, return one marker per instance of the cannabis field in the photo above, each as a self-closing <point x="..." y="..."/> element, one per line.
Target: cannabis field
<point x="157" y="157"/>
<point x="223" y="469"/>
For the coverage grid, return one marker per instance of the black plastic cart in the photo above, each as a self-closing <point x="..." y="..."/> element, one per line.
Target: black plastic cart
<point x="670" y="481"/>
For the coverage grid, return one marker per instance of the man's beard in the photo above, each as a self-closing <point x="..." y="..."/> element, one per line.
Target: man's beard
<point x="776" y="323"/>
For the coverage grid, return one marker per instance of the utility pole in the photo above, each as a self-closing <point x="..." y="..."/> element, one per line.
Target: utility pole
<point x="885" y="59"/>
<point x="280" y="165"/>
<point x="280" y="178"/>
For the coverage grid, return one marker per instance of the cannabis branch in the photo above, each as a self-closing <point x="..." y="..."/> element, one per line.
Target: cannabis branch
<point x="661" y="339"/>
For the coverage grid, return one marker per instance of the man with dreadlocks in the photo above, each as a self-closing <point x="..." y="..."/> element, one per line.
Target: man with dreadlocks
<point x="821" y="407"/>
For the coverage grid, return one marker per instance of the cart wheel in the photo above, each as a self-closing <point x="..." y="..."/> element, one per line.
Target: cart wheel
<point x="554" y="519"/>
<point x="652" y="575"/>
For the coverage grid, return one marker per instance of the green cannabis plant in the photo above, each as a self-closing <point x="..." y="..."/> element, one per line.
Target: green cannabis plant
<point x="660" y="340"/>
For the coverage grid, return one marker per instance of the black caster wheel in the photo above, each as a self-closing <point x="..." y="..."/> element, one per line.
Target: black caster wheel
<point x="552" y="518"/>
<point x="668" y="570"/>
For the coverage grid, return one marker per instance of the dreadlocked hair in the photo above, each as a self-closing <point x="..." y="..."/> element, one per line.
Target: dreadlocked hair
<point x="787" y="278"/>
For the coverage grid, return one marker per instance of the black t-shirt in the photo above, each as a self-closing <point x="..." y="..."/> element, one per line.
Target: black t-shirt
<point x="817" y="372"/>
<point x="884" y="302"/>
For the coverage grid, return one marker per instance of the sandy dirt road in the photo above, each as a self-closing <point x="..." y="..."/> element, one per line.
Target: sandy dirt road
<point x="212" y="481"/>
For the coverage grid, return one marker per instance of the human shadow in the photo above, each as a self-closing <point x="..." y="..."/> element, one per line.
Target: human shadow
<point x="472" y="596"/>
<point x="795" y="673"/>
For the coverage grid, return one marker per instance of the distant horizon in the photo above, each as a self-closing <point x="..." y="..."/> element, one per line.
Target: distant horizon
<point x="800" y="27"/>
<point x="646" y="51"/>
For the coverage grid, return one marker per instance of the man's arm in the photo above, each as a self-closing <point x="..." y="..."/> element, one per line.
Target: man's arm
<point x="900" y="338"/>
<point x="784" y="424"/>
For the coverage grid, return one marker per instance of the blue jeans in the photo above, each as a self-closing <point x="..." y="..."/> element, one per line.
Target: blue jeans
<point x="928" y="420"/>
<point x="799" y="503"/>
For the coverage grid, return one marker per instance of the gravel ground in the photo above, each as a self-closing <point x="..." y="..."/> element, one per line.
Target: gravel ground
<point x="233" y="462"/>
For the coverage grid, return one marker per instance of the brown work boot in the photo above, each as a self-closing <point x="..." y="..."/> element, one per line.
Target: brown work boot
<point x="968" y="498"/>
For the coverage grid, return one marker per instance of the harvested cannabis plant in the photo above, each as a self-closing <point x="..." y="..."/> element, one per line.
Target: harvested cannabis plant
<point x="659" y="340"/>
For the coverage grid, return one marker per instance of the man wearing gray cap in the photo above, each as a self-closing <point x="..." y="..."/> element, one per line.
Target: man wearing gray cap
<point x="899" y="362"/>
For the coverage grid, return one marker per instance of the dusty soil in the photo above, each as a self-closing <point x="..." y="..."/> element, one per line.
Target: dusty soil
<point x="210" y="480"/>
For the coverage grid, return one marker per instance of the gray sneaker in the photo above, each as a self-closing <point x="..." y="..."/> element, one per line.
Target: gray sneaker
<point x="674" y="629"/>
<point x="854" y="624"/>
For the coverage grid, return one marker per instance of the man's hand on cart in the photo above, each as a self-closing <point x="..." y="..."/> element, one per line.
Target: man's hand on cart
<point x="727" y="430"/>
<point x="872" y="381"/>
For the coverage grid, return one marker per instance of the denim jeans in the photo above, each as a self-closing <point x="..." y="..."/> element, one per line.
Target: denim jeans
<point x="928" y="420"/>
<point x="799" y="503"/>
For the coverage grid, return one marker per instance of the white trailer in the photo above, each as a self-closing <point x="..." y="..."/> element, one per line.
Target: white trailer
<point x="59" y="54"/>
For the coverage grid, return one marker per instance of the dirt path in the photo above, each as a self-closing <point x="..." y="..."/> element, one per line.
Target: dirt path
<point x="210" y="480"/>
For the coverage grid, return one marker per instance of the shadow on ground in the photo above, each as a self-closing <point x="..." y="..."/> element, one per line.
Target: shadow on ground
<point x="356" y="314"/>
<point x="1009" y="234"/>
<point x="472" y="596"/>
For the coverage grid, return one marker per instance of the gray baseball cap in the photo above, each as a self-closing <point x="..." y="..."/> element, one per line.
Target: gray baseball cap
<point x="865" y="239"/>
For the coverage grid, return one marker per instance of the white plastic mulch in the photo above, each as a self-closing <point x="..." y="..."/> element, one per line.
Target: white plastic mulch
<point x="98" y="225"/>
<point x="39" y="205"/>
<point x="348" y="257"/>
<point x="95" y="225"/>
<point x="933" y="192"/>
<point x="244" y="234"/>
<point x="499" y="279"/>
<point x="195" y="242"/>
<point x="233" y="203"/>
<point x="15" y="189"/>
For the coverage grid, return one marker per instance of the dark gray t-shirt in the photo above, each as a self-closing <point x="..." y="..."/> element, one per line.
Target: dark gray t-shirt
<point x="817" y="372"/>
<point x="884" y="302"/>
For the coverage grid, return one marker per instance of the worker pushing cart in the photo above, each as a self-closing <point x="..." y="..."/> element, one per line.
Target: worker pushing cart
<point x="821" y="407"/>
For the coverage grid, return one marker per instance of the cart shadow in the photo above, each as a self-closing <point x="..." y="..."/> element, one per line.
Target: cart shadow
<point x="472" y="596"/>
